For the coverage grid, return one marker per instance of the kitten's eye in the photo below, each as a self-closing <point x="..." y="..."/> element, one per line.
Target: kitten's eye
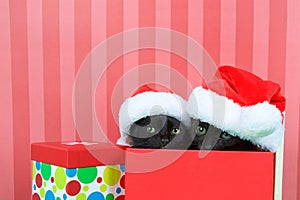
<point x="225" y="136"/>
<point x="151" y="129"/>
<point x="201" y="130"/>
<point x="175" y="131"/>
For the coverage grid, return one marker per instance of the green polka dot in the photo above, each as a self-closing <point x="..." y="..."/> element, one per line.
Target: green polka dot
<point x="45" y="184"/>
<point x="42" y="192"/>
<point x="111" y="175"/>
<point x="87" y="175"/>
<point x="60" y="178"/>
<point x="110" y="197"/>
<point x="103" y="188"/>
<point x="81" y="196"/>
<point x="85" y="188"/>
<point x="46" y="171"/>
<point x="33" y="170"/>
<point x="54" y="188"/>
<point x="58" y="198"/>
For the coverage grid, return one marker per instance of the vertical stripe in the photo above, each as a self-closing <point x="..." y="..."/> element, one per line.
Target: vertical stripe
<point x="67" y="70"/>
<point x="292" y="84"/>
<point x="227" y="32"/>
<point x="211" y="37"/>
<point x="179" y="22"/>
<point x="163" y="20"/>
<point x="6" y="128"/>
<point x="99" y="35"/>
<point x="195" y="31"/>
<point x="277" y="41"/>
<point x="35" y="67"/>
<point x="244" y="34"/>
<point x="98" y="18"/>
<point x="147" y="13"/>
<point x="261" y="38"/>
<point x="20" y="97"/>
<point x="51" y="54"/>
<point x="82" y="49"/>
<point x="114" y="25"/>
<point x="131" y="21"/>
<point x="298" y="131"/>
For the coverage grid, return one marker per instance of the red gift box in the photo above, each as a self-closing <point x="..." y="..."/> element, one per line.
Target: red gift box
<point x="226" y="175"/>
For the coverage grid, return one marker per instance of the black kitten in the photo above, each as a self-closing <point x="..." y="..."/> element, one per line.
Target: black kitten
<point x="217" y="139"/>
<point x="159" y="131"/>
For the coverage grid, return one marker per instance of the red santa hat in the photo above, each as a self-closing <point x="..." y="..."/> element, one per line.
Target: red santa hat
<point x="147" y="101"/>
<point x="241" y="104"/>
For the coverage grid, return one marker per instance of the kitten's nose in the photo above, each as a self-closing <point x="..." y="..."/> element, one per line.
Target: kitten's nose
<point x="164" y="140"/>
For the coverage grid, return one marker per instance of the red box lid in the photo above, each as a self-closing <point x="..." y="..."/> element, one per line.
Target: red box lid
<point x="225" y="175"/>
<point x="77" y="154"/>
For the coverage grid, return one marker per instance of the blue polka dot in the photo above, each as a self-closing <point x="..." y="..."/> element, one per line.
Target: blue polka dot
<point x="38" y="165"/>
<point x="118" y="190"/>
<point x="96" y="196"/>
<point x="64" y="196"/>
<point x="122" y="167"/>
<point x="49" y="195"/>
<point x="34" y="187"/>
<point x="71" y="172"/>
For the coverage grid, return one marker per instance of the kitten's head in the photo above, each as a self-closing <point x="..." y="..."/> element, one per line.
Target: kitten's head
<point x="159" y="131"/>
<point x="208" y="137"/>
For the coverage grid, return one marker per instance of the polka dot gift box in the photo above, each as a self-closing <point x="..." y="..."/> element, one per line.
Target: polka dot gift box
<point x="63" y="171"/>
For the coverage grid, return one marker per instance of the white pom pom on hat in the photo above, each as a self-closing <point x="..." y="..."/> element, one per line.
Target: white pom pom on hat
<point x="241" y="104"/>
<point x="148" y="101"/>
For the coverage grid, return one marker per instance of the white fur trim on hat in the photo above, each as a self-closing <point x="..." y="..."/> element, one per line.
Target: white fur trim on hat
<point x="260" y="123"/>
<point x="150" y="104"/>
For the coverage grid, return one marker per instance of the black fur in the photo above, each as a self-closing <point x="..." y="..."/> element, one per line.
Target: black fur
<point x="223" y="140"/>
<point x="159" y="131"/>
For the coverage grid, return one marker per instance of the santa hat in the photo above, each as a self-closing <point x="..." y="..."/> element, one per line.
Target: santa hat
<point x="241" y="104"/>
<point x="147" y="101"/>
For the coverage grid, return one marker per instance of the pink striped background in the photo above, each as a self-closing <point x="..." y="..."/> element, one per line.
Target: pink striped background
<point x="43" y="43"/>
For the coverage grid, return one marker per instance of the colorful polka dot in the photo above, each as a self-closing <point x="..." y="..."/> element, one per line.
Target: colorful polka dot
<point x="81" y="196"/>
<point x="99" y="180"/>
<point x="73" y="188"/>
<point x="42" y="192"/>
<point x="38" y="165"/>
<point x="38" y="180"/>
<point x="103" y="188"/>
<point x="64" y="196"/>
<point x="121" y="197"/>
<point x="71" y="172"/>
<point x="96" y="196"/>
<point x="54" y="189"/>
<point x="49" y="195"/>
<point x="35" y="196"/>
<point x="118" y="190"/>
<point x="85" y="188"/>
<point x="87" y="175"/>
<point x="58" y="198"/>
<point x="33" y="171"/>
<point x="111" y="175"/>
<point x="110" y="197"/>
<point x="122" y="181"/>
<point x="60" y="178"/>
<point x="122" y="168"/>
<point x="52" y="180"/>
<point x="46" y="171"/>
